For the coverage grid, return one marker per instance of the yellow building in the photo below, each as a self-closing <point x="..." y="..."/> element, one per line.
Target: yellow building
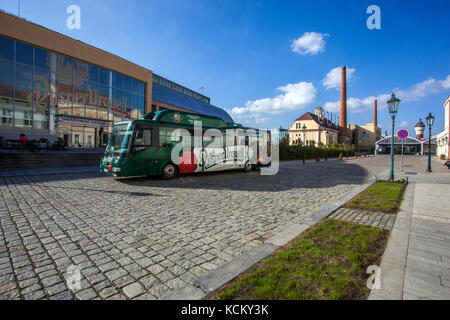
<point x="316" y="127"/>
<point x="364" y="137"/>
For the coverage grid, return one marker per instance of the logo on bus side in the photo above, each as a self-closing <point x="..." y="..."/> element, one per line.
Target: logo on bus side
<point x="212" y="151"/>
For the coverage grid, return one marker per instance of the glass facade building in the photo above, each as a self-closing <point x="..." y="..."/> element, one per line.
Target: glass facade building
<point x="50" y="94"/>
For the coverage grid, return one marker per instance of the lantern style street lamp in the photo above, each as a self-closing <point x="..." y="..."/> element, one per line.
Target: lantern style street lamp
<point x="304" y="142"/>
<point x="393" y="103"/>
<point x="347" y="140"/>
<point x="430" y="121"/>
<point x="326" y="144"/>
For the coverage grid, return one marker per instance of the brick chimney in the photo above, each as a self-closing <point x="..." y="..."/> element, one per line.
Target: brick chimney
<point x="375" y="115"/>
<point x="343" y="115"/>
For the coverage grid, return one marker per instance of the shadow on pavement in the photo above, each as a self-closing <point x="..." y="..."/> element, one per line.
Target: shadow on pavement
<point x="290" y="176"/>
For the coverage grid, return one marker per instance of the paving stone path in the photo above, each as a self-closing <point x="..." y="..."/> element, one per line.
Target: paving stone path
<point x="366" y="217"/>
<point x="142" y="238"/>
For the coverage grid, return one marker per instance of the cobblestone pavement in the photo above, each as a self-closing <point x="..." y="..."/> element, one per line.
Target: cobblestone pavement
<point x="141" y="238"/>
<point x="368" y="218"/>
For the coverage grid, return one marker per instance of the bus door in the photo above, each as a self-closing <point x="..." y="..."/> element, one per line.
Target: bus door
<point x="141" y="152"/>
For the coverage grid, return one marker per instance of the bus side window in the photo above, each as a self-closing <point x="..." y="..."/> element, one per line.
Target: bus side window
<point x="155" y="137"/>
<point x="143" y="137"/>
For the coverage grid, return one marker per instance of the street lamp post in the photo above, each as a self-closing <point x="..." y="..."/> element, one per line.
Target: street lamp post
<point x="326" y="145"/>
<point x="304" y="141"/>
<point x="393" y="103"/>
<point x="430" y="121"/>
<point x="347" y="140"/>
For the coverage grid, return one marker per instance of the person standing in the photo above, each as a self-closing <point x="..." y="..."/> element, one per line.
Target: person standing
<point x="24" y="140"/>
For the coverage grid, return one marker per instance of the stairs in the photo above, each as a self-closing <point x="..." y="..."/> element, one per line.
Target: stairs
<point x="36" y="160"/>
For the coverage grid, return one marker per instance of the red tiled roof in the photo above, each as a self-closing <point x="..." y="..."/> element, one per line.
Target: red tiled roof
<point x="322" y="122"/>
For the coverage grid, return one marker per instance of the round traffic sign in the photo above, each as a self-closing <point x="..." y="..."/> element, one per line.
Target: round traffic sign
<point x="403" y="134"/>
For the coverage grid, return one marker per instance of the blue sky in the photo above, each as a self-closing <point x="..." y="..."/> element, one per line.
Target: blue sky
<point x="248" y="57"/>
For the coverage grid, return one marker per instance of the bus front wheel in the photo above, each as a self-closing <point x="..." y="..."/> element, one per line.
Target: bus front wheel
<point x="248" y="167"/>
<point x="169" y="171"/>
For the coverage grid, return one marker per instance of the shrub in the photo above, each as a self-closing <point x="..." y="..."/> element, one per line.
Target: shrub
<point x="442" y="156"/>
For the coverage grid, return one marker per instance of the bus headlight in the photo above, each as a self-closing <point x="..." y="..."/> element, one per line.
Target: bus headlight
<point x="115" y="169"/>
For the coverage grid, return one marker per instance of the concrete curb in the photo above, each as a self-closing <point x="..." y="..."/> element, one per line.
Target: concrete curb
<point x="49" y="171"/>
<point x="227" y="272"/>
<point x="393" y="262"/>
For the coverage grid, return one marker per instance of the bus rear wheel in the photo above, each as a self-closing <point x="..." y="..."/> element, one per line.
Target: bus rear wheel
<point x="169" y="171"/>
<point x="248" y="167"/>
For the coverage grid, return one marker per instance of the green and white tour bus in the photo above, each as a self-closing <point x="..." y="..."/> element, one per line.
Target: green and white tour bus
<point x="163" y="143"/>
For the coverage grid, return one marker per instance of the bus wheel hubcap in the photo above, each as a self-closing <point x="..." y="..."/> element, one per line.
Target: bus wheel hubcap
<point x="169" y="170"/>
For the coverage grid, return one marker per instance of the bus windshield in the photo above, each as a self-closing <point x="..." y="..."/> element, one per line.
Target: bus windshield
<point x="120" y="138"/>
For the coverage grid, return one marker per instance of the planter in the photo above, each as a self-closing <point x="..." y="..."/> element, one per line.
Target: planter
<point x="317" y="159"/>
<point x="340" y="157"/>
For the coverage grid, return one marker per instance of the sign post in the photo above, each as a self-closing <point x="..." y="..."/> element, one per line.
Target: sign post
<point x="402" y="134"/>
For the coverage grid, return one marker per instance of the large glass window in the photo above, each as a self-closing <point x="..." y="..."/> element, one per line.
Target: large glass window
<point x="24" y="53"/>
<point x="127" y="99"/>
<point x="165" y="83"/>
<point x="118" y="97"/>
<point x="141" y="105"/>
<point x="65" y="66"/>
<point x="7" y="72"/>
<point x="134" y="86"/>
<point x="6" y="48"/>
<point x="188" y="92"/>
<point x="79" y="95"/>
<point x="104" y="76"/>
<point x="6" y="91"/>
<point x="41" y="87"/>
<point x="118" y="80"/>
<point x="79" y="70"/>
<point x="126" y="84"/>
<point x="24" y="74"/>
<point x="92" y="93"/>
<point x="41" y="116"/>
<point x="103" y="96"/>
<point x="46" y="83"/>
<point x="92" y="73"/>
<point x="41" y="58"/>
<point x="41" y="94"/>
<point x="177" y="88"/>
<point x="65" y="95"/>
<point x="23" y="107"/>
<point x="141" y="88"/>
<point x="6" y="111"/>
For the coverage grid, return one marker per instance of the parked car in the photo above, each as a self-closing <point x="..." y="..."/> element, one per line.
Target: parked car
<point x="59" y="145"/>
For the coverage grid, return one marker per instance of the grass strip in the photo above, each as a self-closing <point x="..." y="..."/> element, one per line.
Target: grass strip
<point x="327" y="262"/>
<point x="381" y="196"/>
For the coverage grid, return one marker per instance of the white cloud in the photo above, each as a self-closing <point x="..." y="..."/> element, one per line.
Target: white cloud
<point x="446" y="82"/>
<point x="404" y="124"/>
<point x="414" y="93"/>
<point x="295" y="96"/>
<point x="333" y="78"/>
<point x="309" y="43"/>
